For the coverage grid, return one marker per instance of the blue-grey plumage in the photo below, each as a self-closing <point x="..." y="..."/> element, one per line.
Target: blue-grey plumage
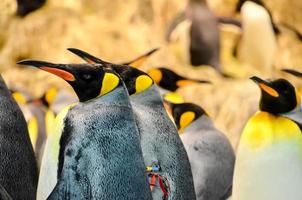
<point x="18" y="169"/>
<point x="160" y="143"/>
<point x="212" y="159"/>
<point x="102" y="155"/>
<point x="4" y="194"/>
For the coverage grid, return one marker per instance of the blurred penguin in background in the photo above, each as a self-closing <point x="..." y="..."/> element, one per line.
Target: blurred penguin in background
<point x="169" y="81"/>
<point x="204" y="34"/>
<point x="40" y="113"/>
<point x="211" y="155"/>
<point x="27" y="6"/>
<point x="258" y="44"/>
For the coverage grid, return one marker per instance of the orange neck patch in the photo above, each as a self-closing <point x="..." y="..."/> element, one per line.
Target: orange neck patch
<point x="60" y="73"/>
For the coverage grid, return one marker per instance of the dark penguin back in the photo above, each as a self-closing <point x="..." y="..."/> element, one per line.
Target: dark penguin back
<point x="161" y="143"/>
<point x="18" y="170"/>
<point x="204" y="35"/>
<point x="102" y="155"/>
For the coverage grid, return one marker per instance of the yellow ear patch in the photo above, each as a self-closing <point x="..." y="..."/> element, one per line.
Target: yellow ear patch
<point x="110" y="81"/>
<point x="182" y="83"/>
<point x="298" y="97"/>
<point x="142" y="83"/>
<point x="50" y="95"/>
<point x="185" y="119"/>
<point x="19" y="98"/>
<point x="269" y="90"/>
<point x="156" y="75"/>
<point x="33" y="131"/>
<point x="173" y="97"/>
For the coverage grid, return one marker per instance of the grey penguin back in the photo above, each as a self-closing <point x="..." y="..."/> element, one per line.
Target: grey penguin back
<point x="162" y="145"/>
<point x="18" y="169"/>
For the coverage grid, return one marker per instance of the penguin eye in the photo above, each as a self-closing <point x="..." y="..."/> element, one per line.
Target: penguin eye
<point x="87" y="76"/>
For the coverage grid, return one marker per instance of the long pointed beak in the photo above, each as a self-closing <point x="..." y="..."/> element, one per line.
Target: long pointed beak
<point x="137" y="62"/>
<point x="265" y="86"/>
<point x="86" y="56"/>
<point x="59" y="70"/>
<point x="293" y="72"/>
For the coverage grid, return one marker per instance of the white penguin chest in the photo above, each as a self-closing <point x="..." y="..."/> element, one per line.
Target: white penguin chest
<point x="272" y="173"/>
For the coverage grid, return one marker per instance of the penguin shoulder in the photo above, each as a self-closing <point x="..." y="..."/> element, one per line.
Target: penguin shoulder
<point x="264" y="129"/>
<point x="56" y="132"/>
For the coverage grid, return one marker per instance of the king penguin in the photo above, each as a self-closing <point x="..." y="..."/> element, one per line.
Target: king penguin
<point x="210" y="153"/>
<point x="269" y="156"/>
<point x="18" y="167"/>
<point x="171" y="81"/>
<point x="258" y="44"/>
<point x="204" y="34"/>
<point x="100" y="155"/>
<point x="34" y="113"/>
<point x="164" y="154"/>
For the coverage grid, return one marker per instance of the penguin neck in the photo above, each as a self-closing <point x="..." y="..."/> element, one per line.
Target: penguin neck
<point x="294" y="115"/>
<point x="115" y="97"/>
<point x="150" y="97"/>
<point x="203" y="122"/>
<point x="3" y="88"/>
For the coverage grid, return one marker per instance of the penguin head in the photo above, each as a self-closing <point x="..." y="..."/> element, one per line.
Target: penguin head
<point x="170" y="80"/>
<point x="185" y="113"/>
<point x="241" y="2"/>
<point x="135" y="80"/>
<point x="278" y="96"/>
<point x="87" y="80"/>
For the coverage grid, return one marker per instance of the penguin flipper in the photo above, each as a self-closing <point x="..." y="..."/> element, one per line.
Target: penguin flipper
<point x="4" y="194"/>
<point x="180" y="17"/>
<point x="228" y="193"/>
<point x="229" y="20"/>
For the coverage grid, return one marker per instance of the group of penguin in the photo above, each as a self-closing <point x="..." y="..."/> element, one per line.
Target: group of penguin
<point x="118" y="141"/>
<point x="257" y="43"/>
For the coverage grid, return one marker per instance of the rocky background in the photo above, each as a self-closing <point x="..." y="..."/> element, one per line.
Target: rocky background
<point x="119" y="30"/>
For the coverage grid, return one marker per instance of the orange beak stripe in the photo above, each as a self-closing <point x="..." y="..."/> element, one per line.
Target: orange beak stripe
<point x="60" y="73"/>
<point x="268" y="90"/>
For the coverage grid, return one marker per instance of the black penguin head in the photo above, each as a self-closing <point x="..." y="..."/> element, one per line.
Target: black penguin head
<point x="278" y="96"/>
<point x="184" y="113"/>
<point x="170" y="80"/>
<point x="87" y="80"/>
<point x="135" y="80"/>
